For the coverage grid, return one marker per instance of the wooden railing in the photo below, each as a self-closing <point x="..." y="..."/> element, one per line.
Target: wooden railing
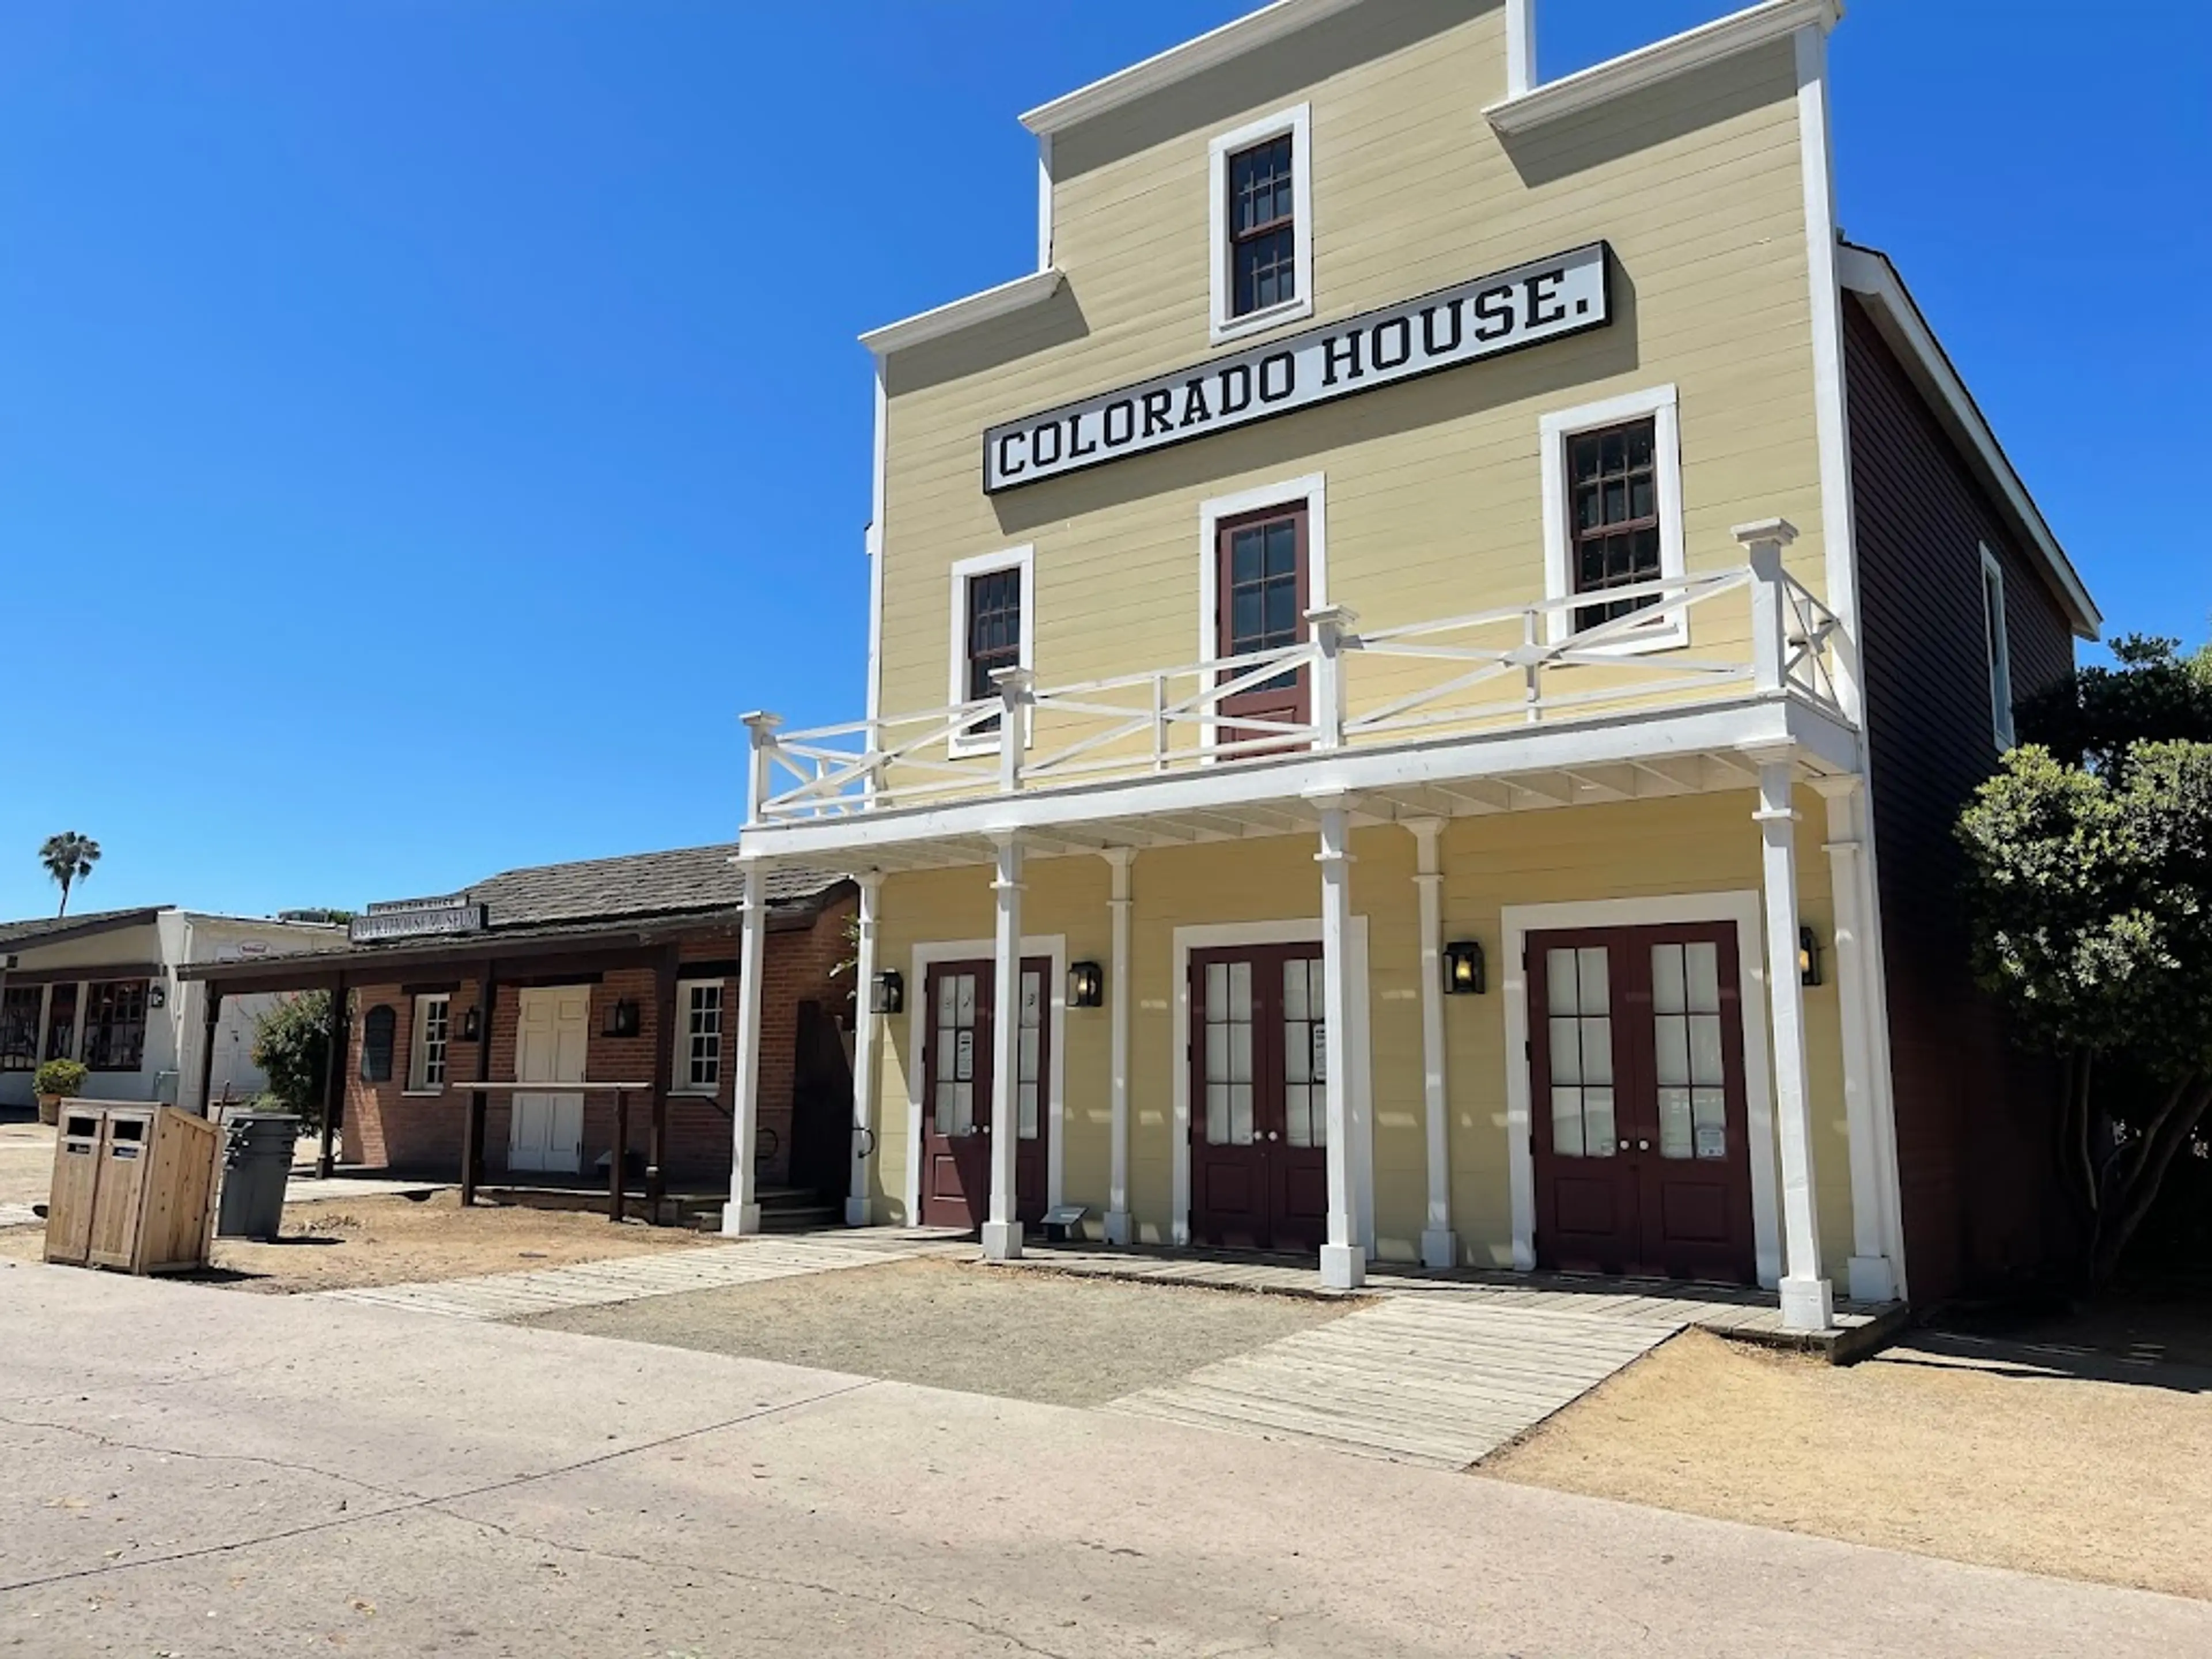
<point x="1452" y="677"/>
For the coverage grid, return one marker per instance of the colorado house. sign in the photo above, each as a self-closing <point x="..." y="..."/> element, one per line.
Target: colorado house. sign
<point x="1541" y="300"/>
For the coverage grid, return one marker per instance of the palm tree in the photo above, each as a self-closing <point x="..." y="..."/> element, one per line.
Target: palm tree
<point x="69" y="857"/>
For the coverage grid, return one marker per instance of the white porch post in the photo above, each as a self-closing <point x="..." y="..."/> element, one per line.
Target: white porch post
<point x="1002" y="1233"/>
<point x="1117" y="990"/>
<point x="742" y="1213"/>
<point x="1439" y="1245"/>
<point x="1872" y="1277"/>
<point x="864" y="1049"/>
<point x="1808" y="1300"/>
<point x="1343" y="1260"/>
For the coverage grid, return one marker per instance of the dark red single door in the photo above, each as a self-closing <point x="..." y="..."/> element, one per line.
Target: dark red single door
<point x="1258" y="1135"/>
<point x="1638" y="1119"/>
<point x="1262" y="589"/>
<point x="957" y="1052"/>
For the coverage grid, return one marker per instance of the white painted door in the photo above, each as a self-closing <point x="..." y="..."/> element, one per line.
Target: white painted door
<point x="547" y="1125"/>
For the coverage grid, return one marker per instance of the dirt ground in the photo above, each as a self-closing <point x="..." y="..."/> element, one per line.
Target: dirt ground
<point x="341" y="1242"/>
<point x="962" y="1325"/>
<point x="2001" y="1453"/>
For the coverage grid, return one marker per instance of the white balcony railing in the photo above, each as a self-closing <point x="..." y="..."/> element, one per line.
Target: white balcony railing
<point x="1428" y="680"/>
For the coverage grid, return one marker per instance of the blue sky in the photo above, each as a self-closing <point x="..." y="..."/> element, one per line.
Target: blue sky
<point x="382" y="382"/>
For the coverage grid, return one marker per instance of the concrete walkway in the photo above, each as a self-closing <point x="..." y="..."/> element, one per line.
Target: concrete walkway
<point x="599" y="1283"/>
<point x="217" y="1475"/>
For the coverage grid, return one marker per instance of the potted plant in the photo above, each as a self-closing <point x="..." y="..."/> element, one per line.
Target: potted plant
<point x="55" y="1082"/>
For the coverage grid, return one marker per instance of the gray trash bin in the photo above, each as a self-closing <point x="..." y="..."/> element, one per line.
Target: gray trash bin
<point x="257" y="1160"/>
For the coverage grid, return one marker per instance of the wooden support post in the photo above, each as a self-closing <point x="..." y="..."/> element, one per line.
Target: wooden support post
<point x="619" y="1156"/>
<point x="212" y="1017"/>
<point x="472" y="1129"/>
<point x="333" y="1078"/>
<point x="663" y="1079"/>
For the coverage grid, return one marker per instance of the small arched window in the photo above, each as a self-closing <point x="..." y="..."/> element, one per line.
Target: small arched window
<point x="376" y="1035"/>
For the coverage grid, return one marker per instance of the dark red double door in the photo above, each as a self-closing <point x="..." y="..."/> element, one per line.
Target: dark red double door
<point x="1259" y="1141"/>
<point x="1635" y="1066"/>
<point x="958" y="1056"/>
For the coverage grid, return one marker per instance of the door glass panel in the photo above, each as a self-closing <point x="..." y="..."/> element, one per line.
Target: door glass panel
<point x="1305" y="1064"/>
<point x="1578" y="994"/>
<point x="954" y="1085"/>
<point x="1228" y="1054"/>
<point x="1032" y="1038"/>
<point x="1692" y="1072"/>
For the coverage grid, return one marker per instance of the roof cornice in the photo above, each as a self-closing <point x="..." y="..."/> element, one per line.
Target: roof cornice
<point x="1231" y="39"/>
<point x="1754" y="26"/>
<point x="1869" y="274"/>
<point x="993" y="303"/>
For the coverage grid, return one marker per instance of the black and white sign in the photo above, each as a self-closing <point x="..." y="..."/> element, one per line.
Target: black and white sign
<point x="1542" y="300"/>
<point x="425" y="918"/>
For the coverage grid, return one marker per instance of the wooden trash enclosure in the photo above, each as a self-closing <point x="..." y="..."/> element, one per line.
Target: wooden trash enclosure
<point x="133" y="1187"/>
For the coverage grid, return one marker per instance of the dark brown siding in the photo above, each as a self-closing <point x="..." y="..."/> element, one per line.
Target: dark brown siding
<point x="1973" y="1112"/>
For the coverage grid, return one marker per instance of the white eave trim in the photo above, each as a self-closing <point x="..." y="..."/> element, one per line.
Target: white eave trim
<point x="1869" y="275"/>
<point x="1231" y="39"/>
<point x="992" y="302"/>
<point x="1754" y="26"/>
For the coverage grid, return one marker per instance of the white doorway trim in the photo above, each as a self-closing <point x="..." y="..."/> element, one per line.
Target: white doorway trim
<point x="1743" y="907"/>
<point x="917" y="1004"/>
<point x="1298" y="930"/>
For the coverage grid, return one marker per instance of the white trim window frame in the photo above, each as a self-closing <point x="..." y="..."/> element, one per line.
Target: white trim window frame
<point x="1297" y="122"/>
<point x="1669" y="628"/>
<point x="964" y="571"/>
<point x="1996" y="640"/>
<point x="428" y="1038"/>
<point x="692" y="1031"/>
<point x="1310" y="492"/>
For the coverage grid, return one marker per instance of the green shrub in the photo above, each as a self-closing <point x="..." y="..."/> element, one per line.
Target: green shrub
<point x="59" y="1077"/>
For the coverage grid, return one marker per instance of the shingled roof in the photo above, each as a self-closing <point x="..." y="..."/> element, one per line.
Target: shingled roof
<point x="687" y="879"/>
<point x="41" y="928"/>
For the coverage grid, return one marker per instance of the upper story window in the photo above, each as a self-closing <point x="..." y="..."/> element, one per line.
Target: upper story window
<point x="115" y="1025"/>
<point x="2000" y="648"/>
<point x="1613" y="515"/>
<point x="992" y="631"/>
<point x="699" y="1036"/>
<point x="1262" y="224"/>
<point x="426" y="1059"/>
<point x="1262" y="571"/>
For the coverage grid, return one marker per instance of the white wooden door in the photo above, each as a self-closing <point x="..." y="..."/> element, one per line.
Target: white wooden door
<point x="547" y="1125"/>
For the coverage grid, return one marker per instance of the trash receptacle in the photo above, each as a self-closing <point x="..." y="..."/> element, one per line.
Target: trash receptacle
<point x="257" y="1161"/>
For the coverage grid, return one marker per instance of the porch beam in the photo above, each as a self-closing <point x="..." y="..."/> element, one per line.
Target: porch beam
<point x="1439" y="1245"/>
<point x="1002" y="1232"/>
<point x="1118" y="970"/>
<point x="1808" y="1299"/>
<point x="1870" y="1275"/>
<point x="741" y="1215"/>
<point x="857" y="1209"/>
<point x="1343" y="1259"/>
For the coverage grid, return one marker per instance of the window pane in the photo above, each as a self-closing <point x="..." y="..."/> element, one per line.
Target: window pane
<point x="1590" y="970"/>
<point x="1704" y="960"/>
<point x="1567" y="1122"/>
<point x="1597" y="1122"/>
<point x="1566" y="1046"/>
<point x="1294" y="988"/>
<point x="1709" y="1113"/>
<point x="1668" y="986"/>
<point x="1597" y="1051"/>
<point x="1559" y="981"/>
<point x="1675" y="1137"/>
<point x="1240" y="991"/>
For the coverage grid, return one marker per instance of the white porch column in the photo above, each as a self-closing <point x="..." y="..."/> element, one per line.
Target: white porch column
<point x="1343" y="1260"/>
<point x="1872" y="1276"/>
<point x="1002" y="1233"/>
<point x="1439" y="1244"/>
<point x="1808" y="1300"/>
<point x="1117" y="991"/>
<point x="742" y="1213"/>
<point x="864" y="1049"/>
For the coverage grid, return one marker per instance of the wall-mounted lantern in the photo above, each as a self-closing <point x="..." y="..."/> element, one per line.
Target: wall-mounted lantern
<point x="887" y="992"/>
<point x="1463" y="972"/>
<point x="622" y="1019"/>
<point x="1808" y="957"/>
<point x="1086" y="985"/>
<point x="472" y="1025"/>
<point x="157" y="995"/>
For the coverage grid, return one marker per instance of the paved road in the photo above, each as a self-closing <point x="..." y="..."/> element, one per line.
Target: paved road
<point x="201" y="1472"/>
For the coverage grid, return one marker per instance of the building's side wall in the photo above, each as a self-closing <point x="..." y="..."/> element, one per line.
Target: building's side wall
<point x="99" y="957"/>
<point x="1973" y="1111"/>
<point x="1434" y="497"/>
<point x="386" y="1125"/>
<point x="1633" y="849"/>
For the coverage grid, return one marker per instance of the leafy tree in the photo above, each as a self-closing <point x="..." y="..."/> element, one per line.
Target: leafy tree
<point x="292" y="1046"/>
<point x="69" y="857"/>
<point x="2090" y="887"/>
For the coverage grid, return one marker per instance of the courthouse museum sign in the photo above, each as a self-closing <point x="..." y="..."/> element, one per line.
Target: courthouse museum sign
<point x="1487" y="317"/>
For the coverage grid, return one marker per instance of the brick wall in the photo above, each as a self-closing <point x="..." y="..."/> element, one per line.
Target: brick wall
<point x="388" y="1127"/>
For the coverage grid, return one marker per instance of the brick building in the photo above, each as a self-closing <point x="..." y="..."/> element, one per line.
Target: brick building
<point x="515" y="1019"/>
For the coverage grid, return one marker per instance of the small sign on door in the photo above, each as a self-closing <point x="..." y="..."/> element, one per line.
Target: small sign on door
<point x="1319" y="1051"/>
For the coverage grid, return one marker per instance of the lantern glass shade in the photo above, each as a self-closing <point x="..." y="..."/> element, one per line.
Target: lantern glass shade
<point x="1808" y="957"/>
<point x="1086" y="985"/>
<point x="472" y="1025"/>
<point x="1463" y="968"/>
<point x="887" y="992"/>
<point x="622" y="1019"/>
